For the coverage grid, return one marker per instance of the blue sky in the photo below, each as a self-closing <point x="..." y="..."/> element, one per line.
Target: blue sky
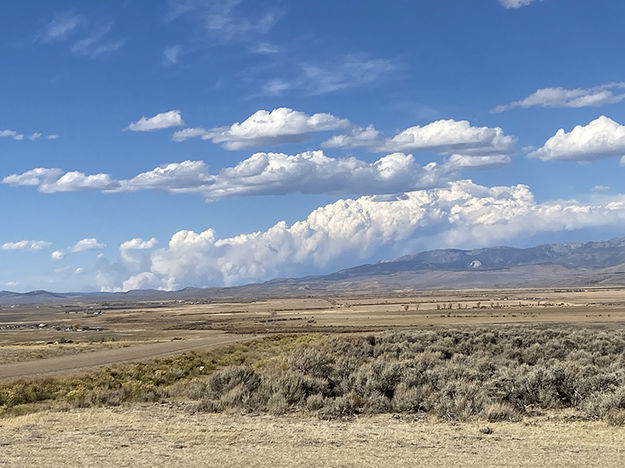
<point x="195" y="143"/>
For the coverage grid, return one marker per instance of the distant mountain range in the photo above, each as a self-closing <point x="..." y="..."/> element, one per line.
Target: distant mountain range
<point x="549" y="265"/>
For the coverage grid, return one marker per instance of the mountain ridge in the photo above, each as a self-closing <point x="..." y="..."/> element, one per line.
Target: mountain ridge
<point x="571" y="263"/>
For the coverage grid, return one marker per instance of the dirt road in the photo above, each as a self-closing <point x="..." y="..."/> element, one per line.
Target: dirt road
<point x="142" y="352"/>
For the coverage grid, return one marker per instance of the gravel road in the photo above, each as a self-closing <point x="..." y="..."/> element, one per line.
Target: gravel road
<point x="141" y="352"/>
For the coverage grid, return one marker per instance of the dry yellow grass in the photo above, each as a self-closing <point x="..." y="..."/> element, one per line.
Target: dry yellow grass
<point x="163" y="436"/>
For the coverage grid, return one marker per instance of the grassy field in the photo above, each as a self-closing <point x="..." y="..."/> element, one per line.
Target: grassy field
<point x="480" y="377"/>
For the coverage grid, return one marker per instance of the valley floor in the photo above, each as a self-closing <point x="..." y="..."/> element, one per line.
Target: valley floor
<point x="160" y="435"/>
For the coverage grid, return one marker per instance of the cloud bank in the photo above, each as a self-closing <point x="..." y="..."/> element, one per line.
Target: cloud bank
<point x="310" y="172"/>
<point x="343" y="233"/>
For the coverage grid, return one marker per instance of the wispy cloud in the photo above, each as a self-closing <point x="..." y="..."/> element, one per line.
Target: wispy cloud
<point x="87" y="38"/>
<point x="227" y="20"/>
<point x="265" y="48"/>
<point x="348" y="71"/>
<point x="222" y="20"/>
<point x="561" y="97"/>
<point x="61" y="26"/>
<point x="11" y="134"/>
<point x="171" y="54"/>
<point x="517" y="3"/>
<point x="20" y="136"/>
<point x="26" y="245"/>
<point x="97" y="43"/>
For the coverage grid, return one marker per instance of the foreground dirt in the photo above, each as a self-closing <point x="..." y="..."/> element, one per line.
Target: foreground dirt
<point x="164" y="436"/>
<point x="94" y="359"/>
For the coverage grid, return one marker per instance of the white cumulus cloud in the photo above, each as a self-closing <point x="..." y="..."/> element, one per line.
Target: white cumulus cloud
<point x="138" y="244"/>
<point x="347" y="231"/>
<point x="560" y="97"/>
<point x="34" y="177"/>
<point x="280" y="125"/>
<point x="135" y="255"/>
<point x="314" y="172"/>
<point x="172" y="118"/>
<point x="53" y="180"/>
<point x="57" y="255"/>
<point x="88" y="243"/>
<point x="452" y="137"/>
<point x="74" y="181"/>
<point x="601" y="138"/>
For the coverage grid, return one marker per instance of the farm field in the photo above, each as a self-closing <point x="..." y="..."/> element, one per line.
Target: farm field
<point x="153" y="321"/>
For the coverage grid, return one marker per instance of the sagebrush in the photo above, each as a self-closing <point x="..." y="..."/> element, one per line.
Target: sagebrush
<point x="487" y="373"/>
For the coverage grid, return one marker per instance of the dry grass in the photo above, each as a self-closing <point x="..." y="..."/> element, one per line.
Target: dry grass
<point x="163" y="436"/>
<point x="144" y="382"/>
